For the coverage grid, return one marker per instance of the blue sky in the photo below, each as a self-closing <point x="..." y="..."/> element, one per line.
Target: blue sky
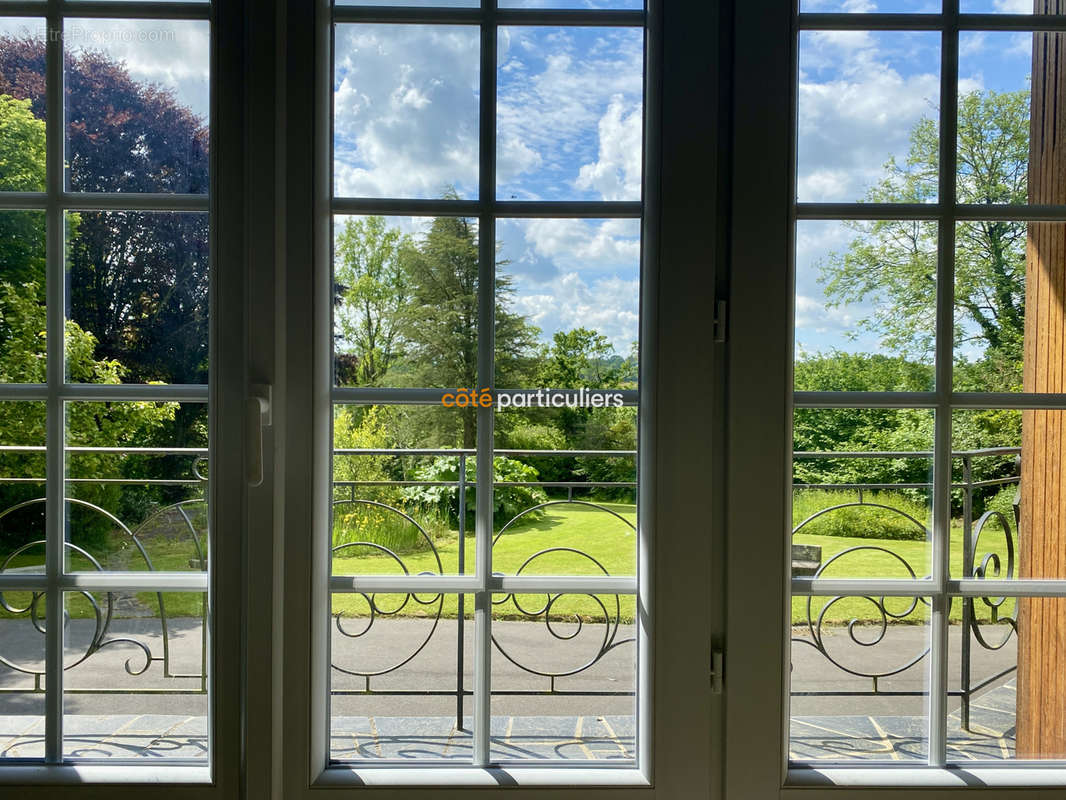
<point x="569" y="117"/>
<point x="860" y="95"/>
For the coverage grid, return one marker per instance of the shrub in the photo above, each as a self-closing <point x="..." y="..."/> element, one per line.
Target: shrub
<point x="860" y="522"/>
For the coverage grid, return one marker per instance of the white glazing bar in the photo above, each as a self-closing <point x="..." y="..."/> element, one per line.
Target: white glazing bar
<point x="485" y="377"/>
<point x="135" y="10"/>
<point x="146" y="392"/>
<point x="945" y="345"/>
<point x="55" y="294"/>
<point x="135" y="201"/>
<point x="143" y="581"/>
<point x="858" y="587"/>
<point x="454" y="584"/>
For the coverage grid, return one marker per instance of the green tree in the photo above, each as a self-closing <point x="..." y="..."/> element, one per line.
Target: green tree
<point x="892" y="263"/>
<point x="22" y="169"/>
<point x="440" y="323"/>
<point x="373" y="287"/>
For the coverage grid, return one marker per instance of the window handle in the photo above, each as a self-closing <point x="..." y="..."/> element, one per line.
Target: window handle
<point x="257" y="415"/>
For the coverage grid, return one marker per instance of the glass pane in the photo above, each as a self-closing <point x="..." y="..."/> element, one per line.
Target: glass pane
<point x="582" y="4"/>
<point x="865" y="306"/>
<point x="992" y="301"/>
<point x="396" y="512"/>
<point x="859" y="679"/>
<point x="22" y="487"/>
<point x="401" y="677"/>
<point x="138" y="297"/>
<point x="862" y="493"/>
<point x="568" y="303"/>
<point x="22" y="113"/>
<point x="559" y="511"/>
<point x="406" y="305"/>
<point x="871" y="6"/>
<point x="994" y="105"/>
<point x="23" y="621"/>
<point x="23" y="319"/>
<point x="406" y="111"/>
<point x="867" y="116"/>
<point x="138" y="101"/>
<point x="569" y="113"/>
<point x="564" y="678"/>
<point x="1010" y="7"/>
<point x="136" y="675"/>
<point x="141" y="504"/>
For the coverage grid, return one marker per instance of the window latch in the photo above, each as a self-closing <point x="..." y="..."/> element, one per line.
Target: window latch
<point x="257" y="413"/>
<point x="717" y="670"/>
<point x="720" y="320"/>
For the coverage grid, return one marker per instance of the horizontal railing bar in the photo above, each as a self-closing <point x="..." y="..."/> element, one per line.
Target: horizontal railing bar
<point x="456" y="584"/>
<point x="31" y="690"/>
<point x="975" y="400"/>
<point x="473" y="16"/>
<point x="870" y="486"/>
<point x="469" y="693"/>
<point x="991" y="451"/>
<point x="456" y="484"/>
<point x="123" y="481"/>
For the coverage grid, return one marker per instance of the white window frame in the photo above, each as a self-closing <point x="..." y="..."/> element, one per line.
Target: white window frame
<point x="219" y="777"/>
<point x="761" y="401"/>
<point x="674" y="714"/>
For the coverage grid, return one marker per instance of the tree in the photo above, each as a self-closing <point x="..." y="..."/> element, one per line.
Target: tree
<point x="138" y="281"/>
<point x="440" y="323"/>
<point x="893" y="263"/>
<point x="23" y="360"/>
<point x="373" y="285"/>
<point x="22" y="169"/>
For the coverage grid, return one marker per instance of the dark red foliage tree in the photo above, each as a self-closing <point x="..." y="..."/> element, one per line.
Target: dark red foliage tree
<point x="138" y="281"/>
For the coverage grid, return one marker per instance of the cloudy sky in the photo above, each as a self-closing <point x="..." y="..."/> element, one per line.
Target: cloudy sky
<point x="860" y="95"/>
<point x="569" y="115"/>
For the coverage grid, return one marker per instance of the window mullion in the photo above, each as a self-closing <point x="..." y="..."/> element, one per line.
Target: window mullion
<point x="485" y="372"/>
<point x="55" y="289"/>
<point x="945" y="325"/>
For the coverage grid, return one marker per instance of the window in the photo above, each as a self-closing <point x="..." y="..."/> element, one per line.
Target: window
<point x="921" y="437"/>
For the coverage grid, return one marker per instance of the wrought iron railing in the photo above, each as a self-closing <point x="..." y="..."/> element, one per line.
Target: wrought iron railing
<point x="975" y="564"/>
<point x="186" y="518"/>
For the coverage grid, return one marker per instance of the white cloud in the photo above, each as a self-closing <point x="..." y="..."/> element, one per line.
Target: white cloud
<point x="616" y="174"/>
<point x="406" y="110"/>
<point x="608" y="306"/>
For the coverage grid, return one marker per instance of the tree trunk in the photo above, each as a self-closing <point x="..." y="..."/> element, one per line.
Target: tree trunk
<point x="1041" y="732"/>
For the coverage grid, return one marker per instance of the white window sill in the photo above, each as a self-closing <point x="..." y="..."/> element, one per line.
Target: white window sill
<point x="475" y="776"/>
<point x="1019" y="776"/>
<point x="71" y="774"/>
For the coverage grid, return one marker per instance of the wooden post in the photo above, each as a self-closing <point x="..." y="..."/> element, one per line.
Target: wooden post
<point x="1041" y="732"/>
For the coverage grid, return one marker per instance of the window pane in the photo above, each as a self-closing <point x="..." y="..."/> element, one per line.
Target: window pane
<point x="995" y="68"/>
<point x="137" y="486"/>
<point x="1010" y="7"/>
<point x="22" y="487"/>
<point x="865" y="306"/>
<point x="871" y="6"/>
<point x="22" y="112"/>
<point x="568" y="303"/>
<point x="138" y="297"/>
<point x="564" y="678"/>
<point x="566" y="492"/>
<point x="406" y="111"/>
<point x="23" y="618"/>
<point x="859" y="679"/>
<point x="23" y="319"/>
<point x="862" y="493"/>
<point x="406" y="307"/>
<point x="867" y="116"/>
<point x="401" y="513"/>
<point x="569" y="113"/>
<point x="135" y="682"/>
<point x="401" y="677"/>
<point x="137" y="105"/>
